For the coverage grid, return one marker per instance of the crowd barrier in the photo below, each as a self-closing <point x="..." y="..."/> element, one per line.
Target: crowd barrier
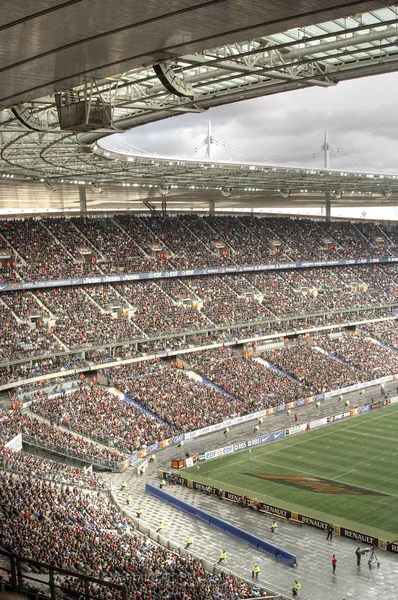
<point x="228" y="528"/>
<point x="27" y="285"/>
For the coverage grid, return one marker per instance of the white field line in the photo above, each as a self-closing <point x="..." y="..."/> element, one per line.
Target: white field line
<point x="312" y="474"/>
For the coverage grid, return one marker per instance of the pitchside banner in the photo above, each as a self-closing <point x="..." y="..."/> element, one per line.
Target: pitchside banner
<point x="6" y="287"/>
<point x="239" y="446"/>
<point x="357" y="536"/>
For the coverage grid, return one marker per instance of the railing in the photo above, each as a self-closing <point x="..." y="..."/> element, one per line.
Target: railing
<point x="93" y="460"/>
<point x="8" y="465"/>
<point x="92" y="437"/>
<point x="39" y="580"/>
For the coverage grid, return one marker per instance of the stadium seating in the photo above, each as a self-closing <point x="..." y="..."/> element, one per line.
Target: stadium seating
<point x="177" y="400"/>
<point x="44" y="434"/>
<point x="256" y="386"/>
<point x="317" y="372"/>
<point x="139" y="316"/>
<point x="51" y="248"/>
<point x="68" y="318"/>
<point x="386" y="332"/>
<point x="372" y="360"/>
<point x="102" y="417"/>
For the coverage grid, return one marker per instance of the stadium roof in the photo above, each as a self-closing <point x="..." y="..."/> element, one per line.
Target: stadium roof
<point x="47" y="45"/>
<point x="186" y="58"/>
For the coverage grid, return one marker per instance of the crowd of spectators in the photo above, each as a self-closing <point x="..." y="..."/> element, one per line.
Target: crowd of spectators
<point x="369" y="358"/>
<point x="103" y="417"/>
<point x="169" y="393"/>
<point x="64" y="526"/>
<point x="147" y="241"/>
<point x="227" y="300"/>
<point x="209" y="253"/>
<point x="316" y="371"/>
<point x="256" y="386"/>
<point x="72" y="239"/>
<point x="156" y="313"/>
<point x="40" y="254"/>
<point x="44" y="434"/>
<point x="381" y="281"/>
<point x="185" y="250"/>
<point x="118" y="251"/>
<point x="21" y="340"/>
<point x="73" y="317"/>
<point x="81" y="323"/>
<point x="386" y="332"/>
<point x="246" y="247"/>
<point x="177" y="290"/>
<point x="298" y="237"/>
<point x="20" y="371"/>
<point x="222" y="305"/>
<point x="25" y="305"/>
<point x="83" y="531"/>
<point x="376" y="235"/>
<point x="106" y="296"/>
<point x="281" y="299"/>
<point x="49" y="248"/>
<point x="351" y="241"/>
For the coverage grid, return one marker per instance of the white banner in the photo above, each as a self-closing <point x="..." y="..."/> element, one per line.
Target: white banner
<point x="15" y="444"/>
<point x="296" y="429"/>
<point x="228" y="423"/>
<point x="142" y="466"/>
<point x="359" y="386"/>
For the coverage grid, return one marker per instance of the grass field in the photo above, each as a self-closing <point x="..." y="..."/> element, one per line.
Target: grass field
<point x="356" y="461"/>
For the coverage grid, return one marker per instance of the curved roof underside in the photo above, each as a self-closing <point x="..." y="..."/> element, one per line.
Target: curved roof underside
<point x="52" y="44"/>
<point x="210" y="53"/>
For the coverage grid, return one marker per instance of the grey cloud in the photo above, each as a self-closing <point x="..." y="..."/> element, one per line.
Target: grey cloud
<point x="361" y="117"/>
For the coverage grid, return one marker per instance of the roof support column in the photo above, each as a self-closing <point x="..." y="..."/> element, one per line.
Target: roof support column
<point x="82" y="198"/>
<point x="212" y="207"/>
<point x="328" y="205"/>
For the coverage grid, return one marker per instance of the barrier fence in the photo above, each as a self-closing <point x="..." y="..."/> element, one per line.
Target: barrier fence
<point x="36" y="579"/>
<point x="224" y="526"/>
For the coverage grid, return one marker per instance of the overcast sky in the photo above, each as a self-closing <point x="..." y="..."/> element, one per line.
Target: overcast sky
<point x="361" y="117"/>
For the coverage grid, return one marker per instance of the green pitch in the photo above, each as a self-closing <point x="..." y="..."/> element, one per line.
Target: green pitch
<point x="346" y="473"/>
